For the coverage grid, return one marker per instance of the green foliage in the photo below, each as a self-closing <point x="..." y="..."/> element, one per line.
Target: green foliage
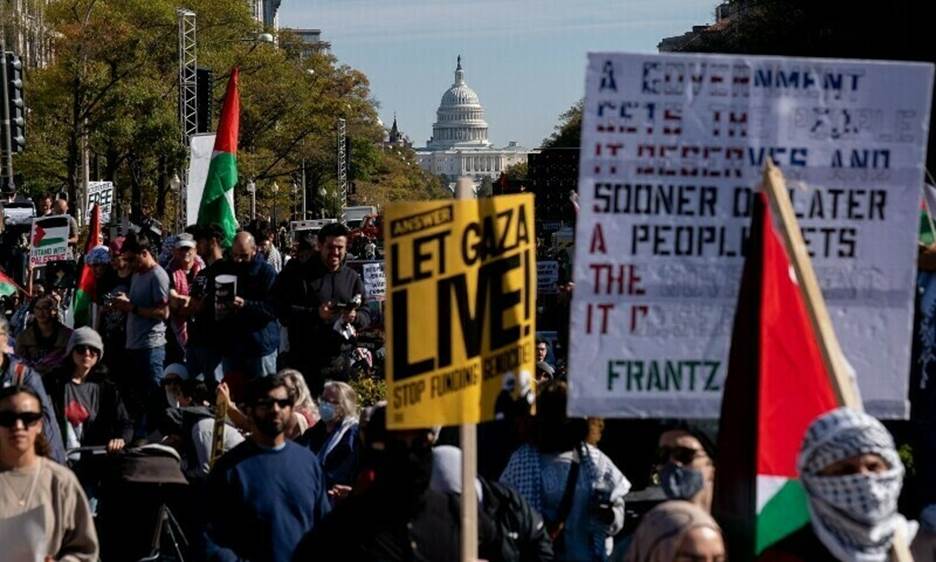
<point x="115" y="77"/>
<point x="370" y="390"/>
<point x="518" y="171"/>
<point x="568" y="133"/>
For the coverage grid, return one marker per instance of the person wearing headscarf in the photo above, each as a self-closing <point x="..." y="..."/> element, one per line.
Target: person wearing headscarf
<point x="674" y="531"/>
<point x="852" y="475"/>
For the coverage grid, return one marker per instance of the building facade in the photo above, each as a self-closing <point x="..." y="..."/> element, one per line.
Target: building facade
<point x="266" y="12"/>
<point x="459" y="145"/>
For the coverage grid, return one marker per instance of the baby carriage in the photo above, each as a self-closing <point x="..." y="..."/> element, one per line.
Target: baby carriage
<point x="135" y="520"/>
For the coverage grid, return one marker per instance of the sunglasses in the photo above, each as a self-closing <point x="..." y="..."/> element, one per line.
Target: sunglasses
<point x="29" y="419"/>
<point x="268" y="402"/>
<point x="683" y="455"/>
<point x="82" y="349"/>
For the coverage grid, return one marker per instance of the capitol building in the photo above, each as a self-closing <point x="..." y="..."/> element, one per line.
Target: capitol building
<point x="459" y="145"/>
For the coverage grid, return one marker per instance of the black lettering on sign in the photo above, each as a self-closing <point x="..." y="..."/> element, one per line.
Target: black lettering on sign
<point x="422" y="258"/>
<point x="490" y="281"/>
<point x="402" y="368"/>
<point x="408" y="394"/>
<point x="421" y="221"/>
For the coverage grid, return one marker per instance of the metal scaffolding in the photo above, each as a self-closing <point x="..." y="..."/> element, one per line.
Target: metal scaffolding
<point x="188" y="83"/>
<point x="188" y="98"/>
<point x="342" y="162"/>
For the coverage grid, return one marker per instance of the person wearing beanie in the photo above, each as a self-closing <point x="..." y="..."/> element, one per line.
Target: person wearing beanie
<point x="88" y="406"/>
<point x="852" y="475"/>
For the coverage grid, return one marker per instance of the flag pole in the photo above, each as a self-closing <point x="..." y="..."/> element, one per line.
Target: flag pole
<point x="842" y="380"/>
<point x="468" y="437"/>
<point x="775" y="188"/>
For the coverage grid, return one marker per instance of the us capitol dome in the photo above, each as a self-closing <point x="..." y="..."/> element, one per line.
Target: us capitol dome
<point x="459" y="145"/>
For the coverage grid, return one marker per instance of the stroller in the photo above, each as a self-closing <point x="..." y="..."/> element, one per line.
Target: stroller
<point x="135" y="521"/>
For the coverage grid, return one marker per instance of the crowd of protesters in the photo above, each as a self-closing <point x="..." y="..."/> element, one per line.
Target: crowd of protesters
<point x="185" y="325"/>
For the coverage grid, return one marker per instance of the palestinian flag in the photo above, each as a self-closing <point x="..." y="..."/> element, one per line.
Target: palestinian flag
<point x="87" y="290"/>
<point x="7" y="285"/>
<point x="217" y="203"/>
<point x="776" y="385"/>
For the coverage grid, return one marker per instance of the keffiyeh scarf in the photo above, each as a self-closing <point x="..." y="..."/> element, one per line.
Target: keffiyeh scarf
<point x="855" y="515"/>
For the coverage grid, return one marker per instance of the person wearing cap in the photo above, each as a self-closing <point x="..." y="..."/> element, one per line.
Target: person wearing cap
<point x="852" y="476"/>
<point x="183" y="268"/>
<point x="87" y="405"/>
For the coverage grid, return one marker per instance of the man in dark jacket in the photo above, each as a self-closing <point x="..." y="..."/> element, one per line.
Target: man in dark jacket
<point x="244" y="322"/>
<point x="317" y="301"/>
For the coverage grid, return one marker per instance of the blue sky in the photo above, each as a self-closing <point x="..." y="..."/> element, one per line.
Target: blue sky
<point x="524" y="58"/>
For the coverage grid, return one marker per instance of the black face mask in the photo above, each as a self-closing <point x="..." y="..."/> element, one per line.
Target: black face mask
<point x="403" y="470"/>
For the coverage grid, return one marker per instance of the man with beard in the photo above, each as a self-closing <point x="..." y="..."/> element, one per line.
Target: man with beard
<point x="318" y="301"/>
<point x="267" y="492"/>
<point x="398" y="517"/>
<point x="252" y="333"/>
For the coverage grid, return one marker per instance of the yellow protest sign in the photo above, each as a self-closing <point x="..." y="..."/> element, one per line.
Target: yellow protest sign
<point x="461" y="292"/>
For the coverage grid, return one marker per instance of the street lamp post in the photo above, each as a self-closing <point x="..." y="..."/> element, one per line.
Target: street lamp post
<point x="275" y="191"/>
<point x="252" y="189"/>
<point x="175" y="184"/>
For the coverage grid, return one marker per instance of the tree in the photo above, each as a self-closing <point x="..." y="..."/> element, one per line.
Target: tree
<point x="115" y="80"/>
<point x="518" y="171"/>
<point x="568" y="132"/>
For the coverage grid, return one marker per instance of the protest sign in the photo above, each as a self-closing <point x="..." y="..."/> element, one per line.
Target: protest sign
<point x="461" y="278"/>
<point x="547" y="277"/>
<point x="48" y="240"/>
<point x="375" y="283"/>
<point x="101" y="193"/>
<point x="673" y="148"/>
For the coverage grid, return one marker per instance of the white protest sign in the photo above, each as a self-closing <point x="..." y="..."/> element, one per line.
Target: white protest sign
<point x="48" y="240"/>
<point x="672" y="148"/>
<point x="375" y="282"/>
<point x="101" y="193"/>
<point x="547" y="277"/>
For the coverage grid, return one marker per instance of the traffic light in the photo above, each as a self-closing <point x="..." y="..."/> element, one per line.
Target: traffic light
<point x="15" y="101"/>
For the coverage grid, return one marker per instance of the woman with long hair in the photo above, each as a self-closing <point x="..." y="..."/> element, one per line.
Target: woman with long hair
<point x="44" y="514"/>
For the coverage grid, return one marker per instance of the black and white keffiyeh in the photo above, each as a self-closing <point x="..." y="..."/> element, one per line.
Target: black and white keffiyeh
<point x="854" y="516"/>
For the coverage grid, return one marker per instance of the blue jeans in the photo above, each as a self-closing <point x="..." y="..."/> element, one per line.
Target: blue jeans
<point x="148" y="366"/>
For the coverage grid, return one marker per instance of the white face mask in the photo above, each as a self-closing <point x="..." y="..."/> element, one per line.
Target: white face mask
<point x="172" y="398"/>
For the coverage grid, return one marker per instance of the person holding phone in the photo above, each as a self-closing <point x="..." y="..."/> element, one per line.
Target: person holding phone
<point x="318" y="302"/>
